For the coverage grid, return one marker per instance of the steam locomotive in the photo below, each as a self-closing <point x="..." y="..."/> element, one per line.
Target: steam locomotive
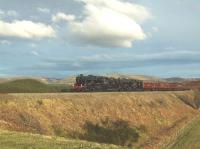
<point x="92" y="83"/>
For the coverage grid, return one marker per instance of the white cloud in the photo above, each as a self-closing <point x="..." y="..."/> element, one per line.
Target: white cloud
<point x="43" y="10"/>
<point x="35" y="53"/>
<point x="62" y="17"/>
<point x="12" y="13"/>
<point x="155" y="29"/>
<point x="134" y="11"/>
<point x="2" y="12"/>
<point x="170" y="48"/>
<point x="33" y="45"/>
<point x="97" y="57"/>
<point x="26" y="29"/>
<point x="5" y="42"/>
<point x="109" y="23"/>
<point x="139" y="57"/>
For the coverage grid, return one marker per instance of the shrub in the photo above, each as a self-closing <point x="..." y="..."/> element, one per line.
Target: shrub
<point x="109" y="131"/>
<point x="40" y="102"/>
<point x="59" y="130"/>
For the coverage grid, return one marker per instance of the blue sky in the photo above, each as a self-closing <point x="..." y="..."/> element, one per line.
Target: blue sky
<point x="68" y="37"/>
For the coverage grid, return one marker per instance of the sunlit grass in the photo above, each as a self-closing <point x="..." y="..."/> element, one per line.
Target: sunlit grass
<point x="190" y="138"/>
<point x="31" y="86"/>
<point x="14" y="140"/>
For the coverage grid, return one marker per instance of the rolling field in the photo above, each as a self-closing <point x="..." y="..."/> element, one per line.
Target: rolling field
<point x="31" y="86"/>
<point x="14" y="140"/>
<point x="189" y="138"/>
<point x="150" y="117"/>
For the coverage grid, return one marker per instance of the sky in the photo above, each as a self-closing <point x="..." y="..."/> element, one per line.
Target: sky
<point x="59" y="38"/>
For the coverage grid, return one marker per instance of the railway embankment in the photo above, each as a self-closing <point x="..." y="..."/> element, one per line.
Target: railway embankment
<point x="153" y="116"/>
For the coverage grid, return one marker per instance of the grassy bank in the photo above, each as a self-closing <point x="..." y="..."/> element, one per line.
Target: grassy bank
<point x="189" y="137"/>
<point x="14" y="140"/>
<point x="31" y="86"/>
<point x="148" y="116"/>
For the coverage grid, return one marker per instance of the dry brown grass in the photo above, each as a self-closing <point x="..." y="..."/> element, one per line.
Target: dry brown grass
<point x="59" y="114"/>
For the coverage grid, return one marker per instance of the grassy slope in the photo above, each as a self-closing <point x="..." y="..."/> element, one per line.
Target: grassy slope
<point x="30" y="86"/>
<point x="14" y="140"/>
<point x="190" y="137"/>
<point x="59" y="114"/>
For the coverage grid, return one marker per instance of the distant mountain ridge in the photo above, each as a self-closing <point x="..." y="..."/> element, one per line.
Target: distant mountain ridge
<point x="70" y="80"/>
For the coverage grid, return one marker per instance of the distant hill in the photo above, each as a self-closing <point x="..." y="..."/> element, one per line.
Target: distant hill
<point x="8" y="79"/>
<point x="70" y="80"/>
<point x="178" y="79"/>
<point x="31" y="86"/>
<point x="175" y="79"/>
<point x="46" y="80"/>
<point x="137" y="77"/>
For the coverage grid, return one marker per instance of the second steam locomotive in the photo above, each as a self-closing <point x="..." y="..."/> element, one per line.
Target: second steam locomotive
<point x="92" y="83"/>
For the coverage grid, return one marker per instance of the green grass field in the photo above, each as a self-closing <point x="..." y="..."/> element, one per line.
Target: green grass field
<point x="190" y="138"/>
<point x="14" y="140"/>
<point x="31" y="86"/>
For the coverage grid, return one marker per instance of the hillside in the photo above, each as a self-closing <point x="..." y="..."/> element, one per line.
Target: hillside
<point x="67" y="80"/>
<point x="150" y="116"/>
<point x="9" y="79"/>
<point x="133" y="76"/>
<point x="189" y="138"/>
<point x="14" y="140"/>
<point x="31" y="86"/>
